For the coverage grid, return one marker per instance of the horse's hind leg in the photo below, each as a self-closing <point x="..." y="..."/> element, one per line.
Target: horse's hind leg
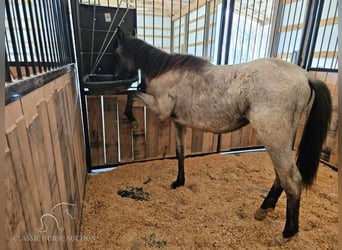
<point x="270" y="201"/>
<point x="291" y="181"/>
<point x="180" y="133"/>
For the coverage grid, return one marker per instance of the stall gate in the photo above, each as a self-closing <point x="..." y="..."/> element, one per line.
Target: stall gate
<point x="224" y="32"/>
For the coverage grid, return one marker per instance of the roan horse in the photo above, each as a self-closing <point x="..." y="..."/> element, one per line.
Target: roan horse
<point x="270" y="94"/>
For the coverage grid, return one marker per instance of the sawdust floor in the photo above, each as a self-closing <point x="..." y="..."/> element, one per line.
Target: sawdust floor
<point x="214" y="210"/>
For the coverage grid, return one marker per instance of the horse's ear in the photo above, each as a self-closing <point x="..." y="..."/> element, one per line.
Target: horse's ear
<point x="120" y="35"/>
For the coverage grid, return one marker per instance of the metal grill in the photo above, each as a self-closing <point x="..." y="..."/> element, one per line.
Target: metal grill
<point x="38" y="37"/>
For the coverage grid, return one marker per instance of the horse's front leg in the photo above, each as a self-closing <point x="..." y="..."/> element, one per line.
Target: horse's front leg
<point x="129" y="108"/>
<point x="180" y="133"/>
<point x="148" y="100"/>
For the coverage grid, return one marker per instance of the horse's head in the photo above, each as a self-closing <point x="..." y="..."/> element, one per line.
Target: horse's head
<point x="123" y="54"/>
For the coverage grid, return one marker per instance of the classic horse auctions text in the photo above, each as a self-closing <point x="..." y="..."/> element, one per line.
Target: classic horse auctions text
<point x="51" y="238"/>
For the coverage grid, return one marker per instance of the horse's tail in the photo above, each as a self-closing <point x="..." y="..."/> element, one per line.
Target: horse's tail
<point x="315" y="132"/>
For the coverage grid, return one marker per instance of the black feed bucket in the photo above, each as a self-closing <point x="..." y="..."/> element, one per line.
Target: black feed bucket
<point x="97" y="27"/>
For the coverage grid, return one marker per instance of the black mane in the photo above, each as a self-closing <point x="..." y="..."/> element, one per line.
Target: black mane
<point x="153" y="62"/>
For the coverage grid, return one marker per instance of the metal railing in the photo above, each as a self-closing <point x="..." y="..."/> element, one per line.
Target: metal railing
<point x="37" y="37"/>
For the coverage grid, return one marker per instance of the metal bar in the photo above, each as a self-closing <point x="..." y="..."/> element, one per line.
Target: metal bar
<point x="213" y="26"/>
<point x="205" y="31"/>
<point x="144" y="19"/>
<point x="243" y="34"/>
<point x="277" y="16"/>
<point x="311" y="25"/>
<point x="34" y="32"/>
<point x="222" y="26"/>
<point x="59" y="33"/>
<point x="24" y="9"/>
<point x="187" y="22"/>
<point x="294" y="46"/>
<point x="323" y="35"/>
<point x="293" y="23"/>
<point x="229" y="29"/>
<point x="153" y="24"/>
<point x="68" y="37"/>
<point x="51" y="33"/>
<point x="14" y="45"/>
<point x="256" y="33"/>
<point x="66" y="53"/>
<point x="238" y="26"/>
<point x="304" y="32"/>
<point x="331" y="32"/>
<point x="172" y="30"/>
<point x="21" y="38"/>
<point x="263" y="28"/>
<point x="286" y="27"/>
<point x="219" y="53"/>
<point x="250" y="30"/>
<point x="46" y="34"/>
<point x="41" y="38"/>
<point x="7" y="69"/>
<point x="61" y="37"/>
<point x="268" y="32"/>
<point x="162" y="40"/>
<point x="315" y="32"/>
<point x="180" y="26"/>
<point x="334" y="55"/>
<point x="93" y="36"/>
<point x="196" y="28"/>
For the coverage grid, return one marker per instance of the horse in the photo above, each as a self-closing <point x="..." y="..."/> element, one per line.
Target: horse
<point x="270" y="94"/>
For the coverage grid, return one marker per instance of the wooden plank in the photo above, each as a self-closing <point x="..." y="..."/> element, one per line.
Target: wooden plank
<point x="152" y="133"/>
<point x="139" y="133"/>
<point x="13" y="112"/>
<point x="164" y="128"/>
<point x="58" y="140"/>
<point x="70" y="166"/>
<point x="188" y="141"/>
<point x="226" y="139"/>
<point x="209" y="143"/>
<point x="125" y="132"/>
<point x="15" y="226"/>
<point x="40" y="163"/>
<point x="79" y="149"/>
<point x="24" y="170"/>
<point x="332" y="78"/>
<point x="196" y="141"/>
<point x="111" y="129"/>
<point x="245" y="136"/>
<point x="46" y="148"/>
<point x="95" y="130"/>
<point x="172" y="147"/>
<point x="29" y="104"/>
<point x="236" y="139"/>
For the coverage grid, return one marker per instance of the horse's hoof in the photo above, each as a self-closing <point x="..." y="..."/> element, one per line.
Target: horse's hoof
<point x="133" y="124"/>
<point x="261" y="213"/>
<point x="280" y="240"/>
<point x="177" y="184"/>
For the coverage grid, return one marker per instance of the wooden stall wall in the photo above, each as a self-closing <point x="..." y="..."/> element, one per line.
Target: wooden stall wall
<point x="45" y="167"/>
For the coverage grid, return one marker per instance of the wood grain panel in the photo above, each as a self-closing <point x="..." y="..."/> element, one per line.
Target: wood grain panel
<point x="111" y="129"/>
<point x="95" y="130"/>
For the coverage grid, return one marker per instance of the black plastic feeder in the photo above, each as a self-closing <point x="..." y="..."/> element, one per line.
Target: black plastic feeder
<point x="101" y="84"/>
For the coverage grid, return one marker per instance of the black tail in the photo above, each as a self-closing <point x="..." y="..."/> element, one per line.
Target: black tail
<point x="315" y="132"/>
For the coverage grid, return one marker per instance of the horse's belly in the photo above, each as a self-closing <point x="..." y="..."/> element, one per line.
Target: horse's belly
<point x="213" y="125"/>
